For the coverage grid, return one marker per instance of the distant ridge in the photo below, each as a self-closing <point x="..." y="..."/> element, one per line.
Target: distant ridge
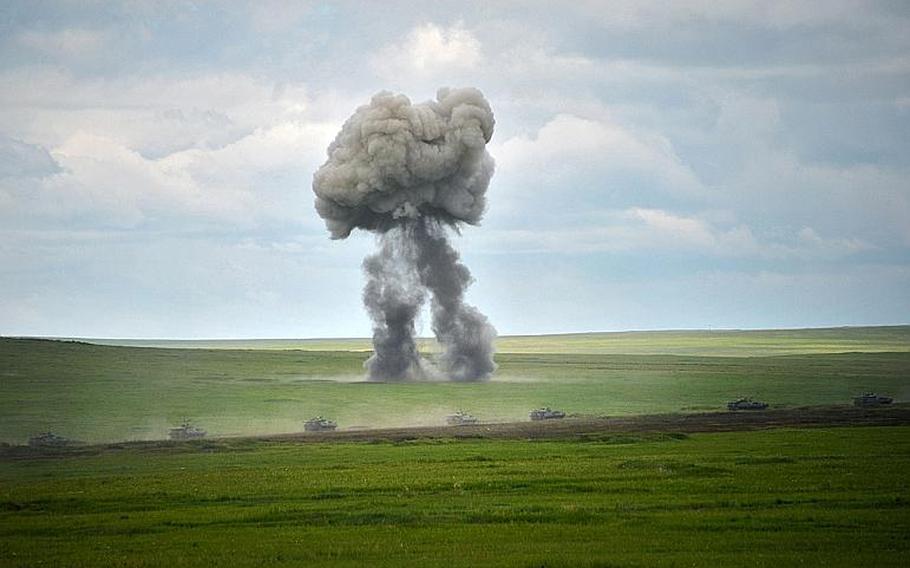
<point x="708" y="342"/>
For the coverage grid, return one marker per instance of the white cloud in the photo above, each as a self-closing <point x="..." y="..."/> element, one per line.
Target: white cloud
<point x="773" y="182"/>
<point x="569" y="146"/>
<point x="430" y="49"/>
<point x="640" y="229"/>
<point x="104" y="183"/>
<point x="673" y="229"/>
<point x="567" y="137"/>
<point x="165" y="152"/>
<point x="114" y="186"/>
<point x="670" y="231"/>
<point x="155" y="114"/>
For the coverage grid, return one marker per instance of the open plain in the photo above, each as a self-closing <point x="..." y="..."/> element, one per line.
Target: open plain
<point x="648" y="468"/>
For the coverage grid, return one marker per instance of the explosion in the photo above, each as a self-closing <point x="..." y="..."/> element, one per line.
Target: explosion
<point x="410" y="174"/>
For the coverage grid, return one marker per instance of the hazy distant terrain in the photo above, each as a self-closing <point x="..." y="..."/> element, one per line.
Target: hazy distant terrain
<point x="106" y="393"/>
<point x="712" y="343"/>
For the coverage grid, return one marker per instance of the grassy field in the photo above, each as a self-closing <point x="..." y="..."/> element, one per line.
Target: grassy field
<point x="102" y="393"/>
<point x="838" y="497"/>
<point x="729" y="343"/>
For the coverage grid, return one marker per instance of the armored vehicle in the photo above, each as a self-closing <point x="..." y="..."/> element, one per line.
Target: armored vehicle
<point x="872" y="399"/>
<point x="186" y="431"/>
<point x="319" y="424"/>
<point x="48" y="440"/>
<point x="746" y="404"/>
<point x="546" y="413"/>
<point x="460" y="418"/>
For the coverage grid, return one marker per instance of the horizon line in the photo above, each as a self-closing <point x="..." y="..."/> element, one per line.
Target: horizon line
<point x="547" y="334"/>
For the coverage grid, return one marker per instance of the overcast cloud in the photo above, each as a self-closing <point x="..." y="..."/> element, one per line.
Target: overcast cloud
<point x="697" y="164"/>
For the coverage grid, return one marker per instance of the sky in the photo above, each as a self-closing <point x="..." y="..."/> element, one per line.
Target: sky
<point x="737" y="164"/>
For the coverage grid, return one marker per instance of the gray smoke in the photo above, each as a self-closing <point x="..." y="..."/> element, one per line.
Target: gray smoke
<point x="411" y="173"/>
<point x="465" y="334"/>
<point x="393" y="297"/>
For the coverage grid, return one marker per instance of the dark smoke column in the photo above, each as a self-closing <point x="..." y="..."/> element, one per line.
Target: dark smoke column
<point x="410" y="173"/>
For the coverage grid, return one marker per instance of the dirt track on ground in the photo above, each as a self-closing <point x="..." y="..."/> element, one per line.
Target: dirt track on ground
<point x="572" y="428"/>
<point x="595" y="427"/>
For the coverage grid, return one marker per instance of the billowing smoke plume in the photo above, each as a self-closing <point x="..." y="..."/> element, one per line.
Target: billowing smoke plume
<point x="410" y="173"/>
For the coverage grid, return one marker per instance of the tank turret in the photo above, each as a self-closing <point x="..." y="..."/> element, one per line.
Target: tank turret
<point x="319" y="424"/>
<point x="746" y="404"/>
<point x="48" y="440"/>
<point x="186" y="431"/>
<point x="546" y="413"/>
<point x="460" y="418"/>
<point x="872" y="399"/>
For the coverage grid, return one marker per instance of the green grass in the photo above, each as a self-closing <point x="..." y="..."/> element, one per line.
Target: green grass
<point x="718" y="343"/>
<point x="838" y="497"/>
<point x="708" y="343"/>
<point x="102" y="393"/>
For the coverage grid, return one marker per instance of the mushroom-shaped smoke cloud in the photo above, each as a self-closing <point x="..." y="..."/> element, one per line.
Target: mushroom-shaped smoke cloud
<point x="408" y="172"/>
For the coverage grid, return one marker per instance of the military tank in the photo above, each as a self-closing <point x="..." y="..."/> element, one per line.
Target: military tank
<point x="319" y="424"/>
<point x="186" y="431"/>
<point x="872" y="399"/>
<point x="746" y="404"/>
<point x="460" y="418"/>
<point x="48" y="440"/>
<point x="546" y="413"/>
